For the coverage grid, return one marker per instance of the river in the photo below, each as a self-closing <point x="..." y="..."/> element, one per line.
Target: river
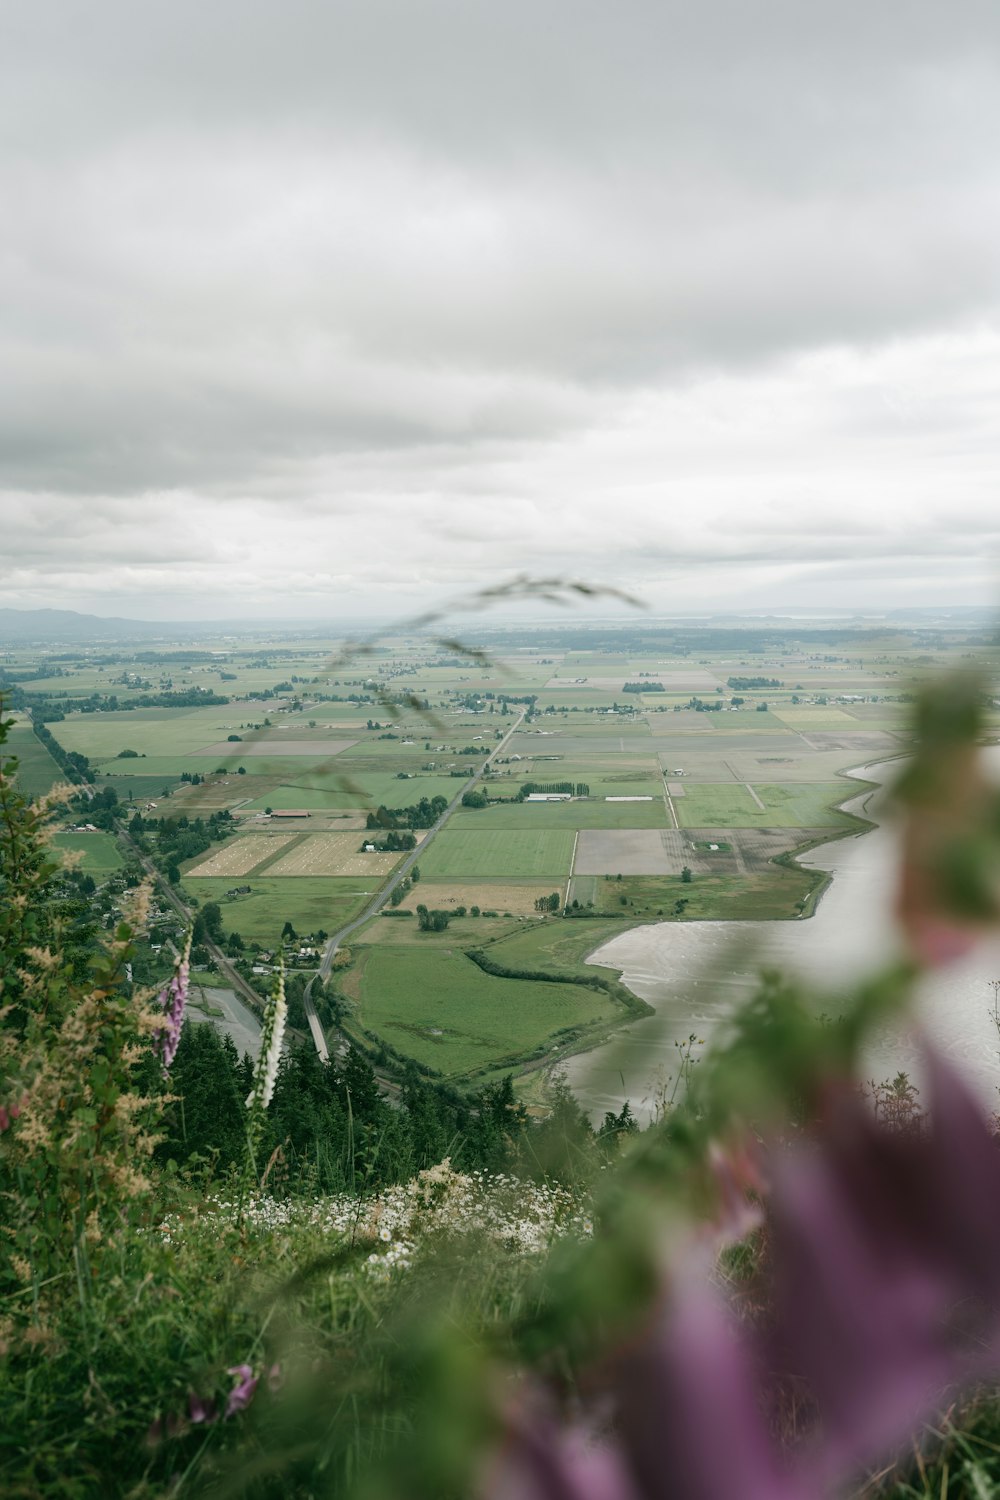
<point x="693" y="973"/>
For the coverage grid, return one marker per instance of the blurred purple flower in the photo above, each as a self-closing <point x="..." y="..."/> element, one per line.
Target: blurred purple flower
<point x="241" y="1395"/>
<point x="173" y="1000"/>
<point x="878" y="1239"/>
<point x="542" y="1461"/>
<point x="690" y="1417"/>
<point x="202" y="1409"/>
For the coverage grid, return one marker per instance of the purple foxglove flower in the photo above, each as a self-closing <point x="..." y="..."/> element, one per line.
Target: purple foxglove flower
<point x="173" y="1000"/>
<point x="541" y="1461"/>
<point x="202" y="1409"/>
<point x="241" y="1395"/>
<point x="878" y="1238"/>
<point x="689" y="1416"/>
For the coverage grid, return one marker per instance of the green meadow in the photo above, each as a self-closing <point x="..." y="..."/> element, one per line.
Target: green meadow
<point x="796" y="805"/>
<point x="437" y="1006"/>
<point x="37" y="772"/>
<point x="98" y="851"/>
<point x="308" y="902"/>
<point x="543" y="854"/>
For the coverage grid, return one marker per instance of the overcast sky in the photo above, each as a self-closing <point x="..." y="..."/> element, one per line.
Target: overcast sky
<point x="312" y="308"/>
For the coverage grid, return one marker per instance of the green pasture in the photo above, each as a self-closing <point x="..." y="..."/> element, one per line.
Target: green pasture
<point x="309" y="902"/>
<point x="371" y="753"/>
<point x="501" y="853"/>
<point x="141" y="787"/>
<point x="581" y="741"/>
<point x="558" y="944"/>
<point x="807" y="804"/>
<point x="590" y="813"/>
<point x="770" y="895"/>
<point x="402" y="931"/>
<point x="36" y="770"/>
<point x="157" y="732"/>
<point x="572" y="696"/>
<point x="99" y="851"/>
<point x="313" y="790"/>
<point x="815" y="718"/>
<point x="437" y="1006"/>
<point x="163" y="767"/>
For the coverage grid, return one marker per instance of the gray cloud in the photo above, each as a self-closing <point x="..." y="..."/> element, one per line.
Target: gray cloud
<point x="427" y="292"/>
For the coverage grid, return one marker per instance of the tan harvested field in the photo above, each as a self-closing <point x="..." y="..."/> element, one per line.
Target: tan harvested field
<point x="243" y="855"/>
<point x="275" y="745"/>
<point x="665" y="851"/>
<point x="218" y="791"/>
<point x="501" y="896"/>
<point x="629" y="851"/>
<point x="749" y="851"/>
<point x="333" y="854"/>
<point x="319" y="820"/>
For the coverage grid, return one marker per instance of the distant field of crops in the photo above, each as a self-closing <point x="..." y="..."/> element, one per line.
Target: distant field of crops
<point x="437" y="1006"/>
<point x="594" y="812"/>
<point x="806" y="804"/>
<point x="503" y="854"/>
<point x="99" y="851"/>
<point x="308" y="903"/>
<point x="37" y="772"/>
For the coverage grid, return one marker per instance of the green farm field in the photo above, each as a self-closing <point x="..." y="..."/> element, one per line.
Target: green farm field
<point x="437" y="1006"/>
<point x="141" y="787"/>
<point x="592" y="813"/>
<point x="500" y="853"/>
<point x="37" y="772"/>
<point x="807" y="804"/>
<point x="769" y="895"/>
<point x="308" y="902"/>
<point x="313" y="790"/>
<point x="161" y="733"/>
<point x="556" y="945"/>
<point x="99" y="851"/>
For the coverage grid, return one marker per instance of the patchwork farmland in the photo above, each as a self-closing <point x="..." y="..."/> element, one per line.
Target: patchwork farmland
<point x="655" y="773"/>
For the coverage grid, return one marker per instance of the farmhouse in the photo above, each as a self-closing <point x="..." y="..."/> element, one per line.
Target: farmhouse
<point x="290" y="812"/>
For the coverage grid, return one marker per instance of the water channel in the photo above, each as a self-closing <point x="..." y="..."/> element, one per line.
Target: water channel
<point x="693" y="973"/>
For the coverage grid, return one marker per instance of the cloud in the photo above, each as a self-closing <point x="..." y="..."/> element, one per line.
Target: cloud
<point x="415" y="294"/>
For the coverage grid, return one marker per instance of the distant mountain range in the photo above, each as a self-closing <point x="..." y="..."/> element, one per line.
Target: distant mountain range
<point x="20" y="627"/>
<point x="26" y="626"/>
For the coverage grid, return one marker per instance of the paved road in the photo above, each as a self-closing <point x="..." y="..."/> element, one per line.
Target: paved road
<point x="399" y="874"/>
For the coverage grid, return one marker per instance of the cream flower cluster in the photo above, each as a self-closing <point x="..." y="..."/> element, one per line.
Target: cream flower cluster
<point x="525" y="1218"/>
<point x="275" y="1017"/>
